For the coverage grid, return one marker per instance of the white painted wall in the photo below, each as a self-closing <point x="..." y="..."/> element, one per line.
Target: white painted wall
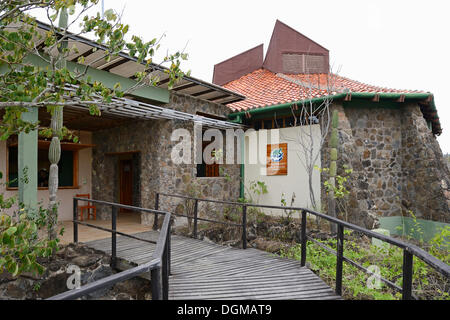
<point x="65" y="196"/>
<point x="296" y="181"/>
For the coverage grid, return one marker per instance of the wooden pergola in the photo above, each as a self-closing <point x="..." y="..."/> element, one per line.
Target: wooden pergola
<point x="145" y="103"/>
<point x="123" y="110"/>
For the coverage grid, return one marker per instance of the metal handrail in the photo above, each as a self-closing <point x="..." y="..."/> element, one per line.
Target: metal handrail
<point x="158" y="266"/>
<point x="409" y="250"/>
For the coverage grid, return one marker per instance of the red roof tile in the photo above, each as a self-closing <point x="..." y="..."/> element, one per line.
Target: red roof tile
<point x="264" y="88"/>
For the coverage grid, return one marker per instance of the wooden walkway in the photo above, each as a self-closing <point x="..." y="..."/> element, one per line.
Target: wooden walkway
<point x="208" y="271"/>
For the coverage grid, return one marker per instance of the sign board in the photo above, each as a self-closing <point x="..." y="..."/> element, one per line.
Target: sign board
<point x="277" y="155"/>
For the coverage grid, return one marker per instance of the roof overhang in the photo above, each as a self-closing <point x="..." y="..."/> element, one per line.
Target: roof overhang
<point x="126" y="66"/>
<point x="425" y="101"/>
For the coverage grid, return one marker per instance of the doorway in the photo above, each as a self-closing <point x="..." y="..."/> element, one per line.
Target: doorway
<point x="126" y="183"/>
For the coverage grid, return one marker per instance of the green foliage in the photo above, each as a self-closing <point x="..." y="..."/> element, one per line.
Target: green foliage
<point x="24" y="84"/>
<point x="427" y="283"/>
<point x="416" y="231"/>
<point x="257" y="188"/>
<point x="20" y="245"/>
<point x="287" y="214"/>
<point x="340" y="190"/>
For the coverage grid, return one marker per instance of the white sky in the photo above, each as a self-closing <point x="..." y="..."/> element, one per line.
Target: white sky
<point x="398" y="44"/>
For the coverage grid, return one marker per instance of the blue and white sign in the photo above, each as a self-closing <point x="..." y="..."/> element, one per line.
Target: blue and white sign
<point x="276" y="155"/>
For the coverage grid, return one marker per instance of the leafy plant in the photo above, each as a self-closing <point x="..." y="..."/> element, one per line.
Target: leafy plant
<point x="35" y="72"/>
<point x="287" y="213"/>
<point x="340" y="190"/>
<point x="20" y="244"/>
<point x="427" y="283"/>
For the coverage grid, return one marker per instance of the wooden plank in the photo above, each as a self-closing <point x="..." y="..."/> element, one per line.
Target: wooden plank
<point x="203" y="270"/>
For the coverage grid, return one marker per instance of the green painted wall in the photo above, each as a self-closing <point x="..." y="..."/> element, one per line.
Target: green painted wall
<point x="399" y="226"/>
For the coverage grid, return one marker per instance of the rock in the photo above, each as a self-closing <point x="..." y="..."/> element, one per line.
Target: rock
<point x="70" y="253"/>
<point x="101" y="272"/>
<point x="206" y="239"/>
<point x="133" y="286"/>
<point x="123" y="296"/>
<point x="6" y="277"/>
<point x="56" y="265"/>
<point x="15" y="291"/>
<point x="32" y="275"/>
<point x="269" y="245"/>
<point x="85" y="261"/>
<point x="54" y="285"/>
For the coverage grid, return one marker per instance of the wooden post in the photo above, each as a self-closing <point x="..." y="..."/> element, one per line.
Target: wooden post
<point x="303" y="240"/>
<point x="407" y="275"/>
<point x="340" y="258"/>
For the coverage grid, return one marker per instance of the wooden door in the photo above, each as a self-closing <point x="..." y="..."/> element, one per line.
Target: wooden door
<point x="126" y="183"/>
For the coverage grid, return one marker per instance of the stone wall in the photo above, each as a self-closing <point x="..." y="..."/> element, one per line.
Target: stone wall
<point x="426" y="185"/>
<point x="150" y="139"/>
<point x="396" y="161"/>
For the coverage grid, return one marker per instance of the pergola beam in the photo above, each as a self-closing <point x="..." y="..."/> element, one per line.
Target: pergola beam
<point x="154" y="94"/>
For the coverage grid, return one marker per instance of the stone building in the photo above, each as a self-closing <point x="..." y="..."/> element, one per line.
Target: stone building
<point x="386" y="136"/>
<point x="146" y="145"/>
<point x="124" y="155"/>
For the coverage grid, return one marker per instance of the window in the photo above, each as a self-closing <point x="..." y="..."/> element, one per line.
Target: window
<point x="284" y="122"/>
<point x="207" y="170"/>
<point x="67" y="173"/>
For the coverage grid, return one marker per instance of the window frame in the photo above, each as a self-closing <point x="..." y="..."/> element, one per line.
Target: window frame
<point x="64" y="146"/>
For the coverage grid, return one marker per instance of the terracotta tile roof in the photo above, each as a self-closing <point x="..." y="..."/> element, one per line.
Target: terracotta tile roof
<point x="264" y="88"/>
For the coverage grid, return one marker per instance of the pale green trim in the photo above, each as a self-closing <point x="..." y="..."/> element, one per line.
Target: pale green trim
<point x="399" y="226"/>
<point x="28" y="161"/>
<point x="154" y="94"/>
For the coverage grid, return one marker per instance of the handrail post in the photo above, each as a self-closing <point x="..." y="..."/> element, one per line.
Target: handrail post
<point x="75" y="221"/>
<point x="195" y="218"/>
<point x="155" y="221"/>
<point x="155" y="275"/>
<point x="244" y="227"/>
<point x="303" y="240"/>
<point x="339" y="258"/>
<point x="169" y="252"/>
<point x="165" y="271"/>
<point x="407" y="275"/>
<point x="113" y="236"/>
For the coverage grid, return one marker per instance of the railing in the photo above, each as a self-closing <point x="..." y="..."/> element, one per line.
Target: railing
<point x="196" y="218"/>
<point x="409" y="250"/>
<point x="158" y="266"/>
